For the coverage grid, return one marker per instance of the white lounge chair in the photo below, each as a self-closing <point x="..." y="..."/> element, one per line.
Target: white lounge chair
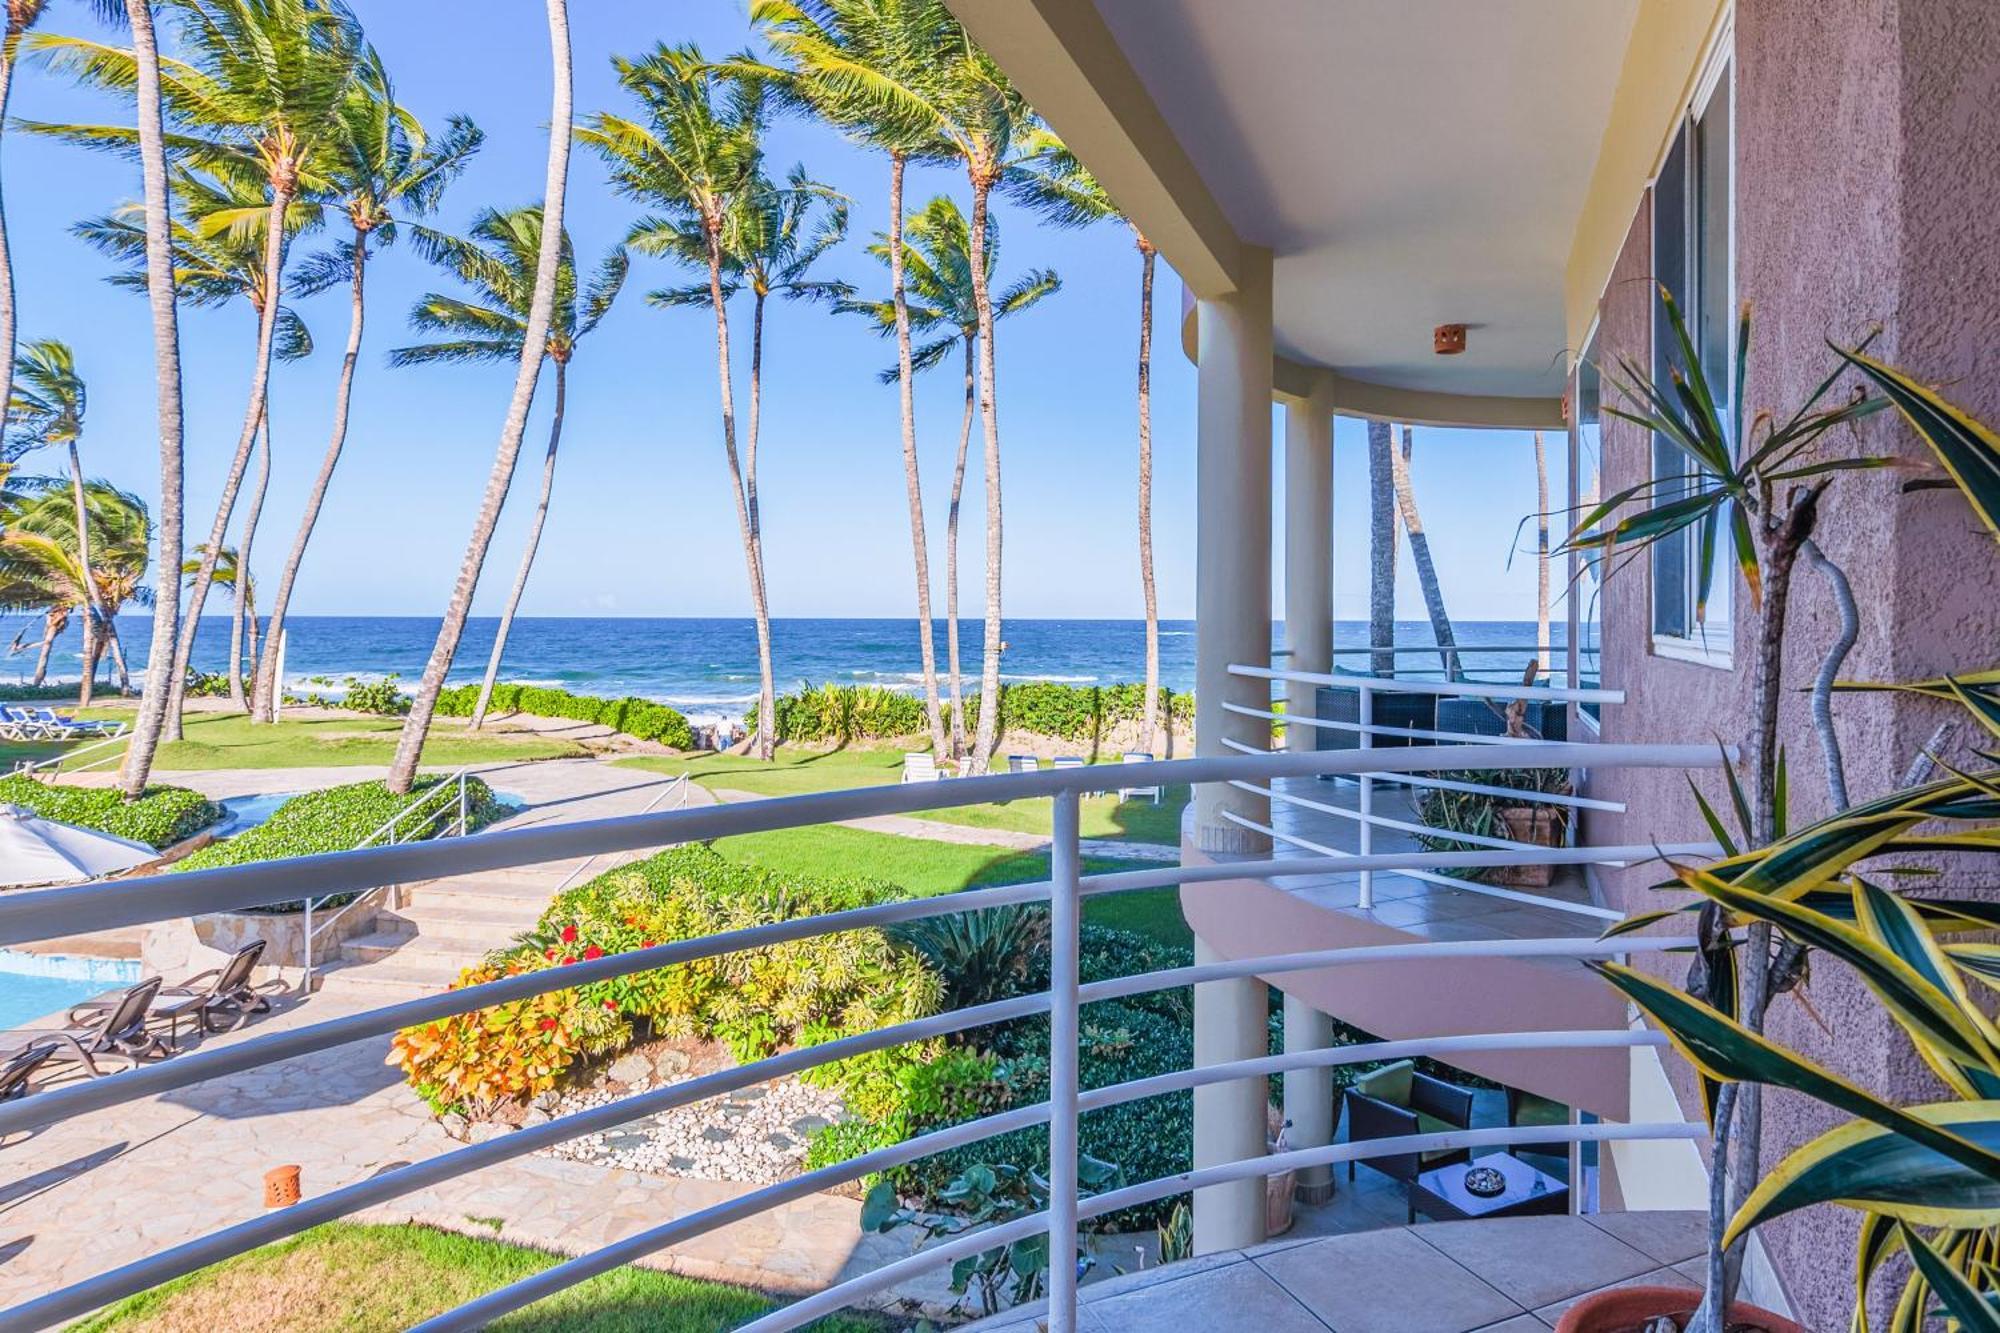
<point x="920" y="766"/>
<point x="1127" y="793"/>
<point x="1023" y="763"/>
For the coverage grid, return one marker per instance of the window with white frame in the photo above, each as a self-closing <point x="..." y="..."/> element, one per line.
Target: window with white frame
<point x="1586" y="571"/>
<point x="1693" y="218"/>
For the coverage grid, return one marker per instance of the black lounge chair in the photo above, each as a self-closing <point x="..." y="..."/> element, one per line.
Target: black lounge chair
<point x="1396" y="1101"/>
<point x="118" y="1029"/>
<point x="15" y="1073"/>
<point x="221" y="999"/>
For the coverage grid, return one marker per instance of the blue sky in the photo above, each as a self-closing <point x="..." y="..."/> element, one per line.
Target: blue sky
<point x="642" y="522"/>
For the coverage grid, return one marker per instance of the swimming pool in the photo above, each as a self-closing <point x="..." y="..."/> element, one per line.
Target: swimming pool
<point x="34" y="986"/>
<point x="247" y="812"/>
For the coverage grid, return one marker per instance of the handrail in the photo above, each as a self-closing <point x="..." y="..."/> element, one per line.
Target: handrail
<point x="678" y="786"/>
<point x="54" y="763"/>
<point x="68" y="910"/>
<point x="1452" y="688"/>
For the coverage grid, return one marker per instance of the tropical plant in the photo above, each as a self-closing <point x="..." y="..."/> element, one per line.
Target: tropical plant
<point x="257" y="98"/>
<point x="1784" y="887"/>
<point x="497" y="261"/>
<point x="1056" y="184"/>
<point x="770" y="243"/>
<point x="983" y="956"/>
<point x="42" y="567"/>
<point x="641" y="719"/>
<point x="229" y="573"/>
<point x="937" y="269"/>
<point x="870" y="67"/>
<point x="163" y="817"/>
<point x="379" y="165"/>
<point x="534" y="343"/>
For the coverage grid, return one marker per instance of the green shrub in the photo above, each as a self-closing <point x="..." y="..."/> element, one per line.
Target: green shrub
<point x="337" y="819"/>
<point x="1080" y="713"/>
<point x="639" y="718"/>
<point x="205" y="684"/>
<point x="836" y="713"/>
<point x="384" y="698"/>
<point x="160" y="818"/>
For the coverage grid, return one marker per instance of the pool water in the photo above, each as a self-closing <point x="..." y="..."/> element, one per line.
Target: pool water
<point x="36" y="986"/>
<point x="247" y="812"/>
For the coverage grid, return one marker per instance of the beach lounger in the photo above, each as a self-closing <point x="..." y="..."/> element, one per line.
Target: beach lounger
<point x="1023" y="763"/>
<point x="65" y="727"/>
<point x="55" y="727"/>
<point x="1127" y="793"/>
<point x="221" y="999"/>
<point x="21" y="724"/>
<point x="1066" y="761"/>
<point x="119" y="1030"/>
<point x="15" y="1073"/>
<point x="920" y="766"/>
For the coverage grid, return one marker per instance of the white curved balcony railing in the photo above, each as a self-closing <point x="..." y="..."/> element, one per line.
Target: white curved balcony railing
<point x="36" y="915"/>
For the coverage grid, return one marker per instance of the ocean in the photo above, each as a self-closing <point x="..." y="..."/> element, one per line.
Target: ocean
<point x="707" y="668"/>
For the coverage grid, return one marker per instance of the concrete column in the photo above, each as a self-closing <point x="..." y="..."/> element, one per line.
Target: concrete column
<point x="1308" y="550"/>
<point x="1229" y="1024"/>
<point x="1232" y="594"/>
<point x="1309" y="1097"/>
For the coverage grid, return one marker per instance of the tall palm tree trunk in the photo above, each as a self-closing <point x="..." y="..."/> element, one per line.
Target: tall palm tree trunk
<point x="258" y="490"/>
<point x="10" y="50"/>
<point x="1381" y="549"/>
<point x="1149" y="721"/>
<point x="410" y="745"/>
<point x="260" y="382"/>
<point x="951" y="553"/>
<point x="117" y="646"/>
<point x="1420" y="554"/>
<point x="1542" y="554"/>
<point x="138" y="764"/>
<point x="527" y="555"/>
<point x="761" y="743"/>
<point x="265" y="689"/>
<point x="92" y="615"/>
<point x="54" y="621"/>
<point x="989" y="671"/>
<point x="767" y="698"/>
<point x="906" y="393"/>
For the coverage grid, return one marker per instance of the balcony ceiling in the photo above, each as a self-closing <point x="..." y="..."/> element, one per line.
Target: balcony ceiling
<point x="1409" y="162"/>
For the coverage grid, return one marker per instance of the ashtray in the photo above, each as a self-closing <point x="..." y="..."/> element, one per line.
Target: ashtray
<point x="1485" y="1182"/>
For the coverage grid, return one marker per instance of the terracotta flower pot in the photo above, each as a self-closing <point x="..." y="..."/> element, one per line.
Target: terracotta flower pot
<point x="1630" y="1309"/>
<point x="1278" y="1202"/>
<point x="1538" y="824"/>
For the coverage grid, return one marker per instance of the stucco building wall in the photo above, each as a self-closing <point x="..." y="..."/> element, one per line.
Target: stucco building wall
<point x="1867" y="192"/>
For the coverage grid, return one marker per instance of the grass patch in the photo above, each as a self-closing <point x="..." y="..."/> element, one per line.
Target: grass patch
<point x="230" y="740"/>
<point x="1105" y="817"/>
<point x="925" y="869"/>
<point x="352" y="1278"/>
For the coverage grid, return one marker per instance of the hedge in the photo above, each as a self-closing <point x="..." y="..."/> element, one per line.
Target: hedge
<point x="160" y="818"/>
<point x="639" y="718"/>
<point x="1080" y="713"/>
<point x="334" y="820"/>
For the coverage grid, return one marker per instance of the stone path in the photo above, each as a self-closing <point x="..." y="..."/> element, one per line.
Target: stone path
<point x="933" y="830"/>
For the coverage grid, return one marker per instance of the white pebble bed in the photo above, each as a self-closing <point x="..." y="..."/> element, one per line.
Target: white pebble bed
<point x="757" y="1135"/>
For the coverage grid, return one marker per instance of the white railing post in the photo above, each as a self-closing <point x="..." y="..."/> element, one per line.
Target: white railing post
<point x="1365" y="801"/>
<point x="306" y="945"/>
<point x="1065" y="908"/>
<point x="461" y="803"/>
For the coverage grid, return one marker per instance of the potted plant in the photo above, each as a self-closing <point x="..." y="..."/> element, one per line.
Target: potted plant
<point x="1762" y="908"/>
<point x="1487" y="816"/>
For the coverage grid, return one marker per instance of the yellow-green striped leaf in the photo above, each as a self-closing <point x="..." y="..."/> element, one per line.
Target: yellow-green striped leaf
<point x="1963" y="1301"/>
<point x="1969" y="450"/>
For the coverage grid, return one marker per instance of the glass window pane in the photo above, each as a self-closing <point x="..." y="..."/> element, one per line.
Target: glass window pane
<point x="1713" y="331"/>
<point x="1672" y="599"/>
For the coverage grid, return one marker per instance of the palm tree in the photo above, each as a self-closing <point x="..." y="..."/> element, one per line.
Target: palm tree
<point x="214" y="265"/>
<point x="1420" y="555"/>
<point x="232" y="573"/>
<point x="379" y="162"/>
<point x="47" y="411"/>
<point x="20" y="16"/>
<point x="534" y="343"/>
<point x="1059" y="187"/>
<point x="1542" y="554"/>
<point x="937" y="268"/>
<point x="42" y="566"/>
<point x="497" y="261"/>
<point x="868" y="67"/>
<point x="770" y="245"/>
<point x="259" y="96"/>
<point x="1381" y="548"/>
<point x="694" y="160"/>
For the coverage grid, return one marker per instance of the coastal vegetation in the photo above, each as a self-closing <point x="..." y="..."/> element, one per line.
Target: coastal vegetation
<point x="47" y="566"/>
<point x="1081" y="714"/>
<point x="348" y="1276"/>
<point x="161" y="817"/>
<point x="641" y="719"/>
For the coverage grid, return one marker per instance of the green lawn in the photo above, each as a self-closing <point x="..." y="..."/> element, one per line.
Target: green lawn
<point x="928" y="868"/>
<point x="794" y="772"/>
<point x="349" y="1278"/>
<point x="229" y="740"/>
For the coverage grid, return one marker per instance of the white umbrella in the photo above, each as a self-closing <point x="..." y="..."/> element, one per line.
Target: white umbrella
<point x="34" y="850"/>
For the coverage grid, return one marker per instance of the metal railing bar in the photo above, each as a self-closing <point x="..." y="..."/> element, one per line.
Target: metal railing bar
<point x="679" y="784"/>
<point x="1471" y="886"/>
<point x="837" y="1298"/>
<point x="43" y="913"/>
<point x="1387" y="821"/>
<point x="1480" y="789"/>
<point x="81" y="1297"/>
<point x="1445" y="688"/>
<point x="1433" y="649"/>
<point x="1376" y="729"/>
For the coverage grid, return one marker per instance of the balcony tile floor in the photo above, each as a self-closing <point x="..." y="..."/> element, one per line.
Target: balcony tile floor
<point x="1509" y="1275"/>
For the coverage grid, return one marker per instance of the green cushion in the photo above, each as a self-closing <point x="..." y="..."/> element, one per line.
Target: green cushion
<point x="1390" y="1084"/>
<point x="1430" y="1124"/>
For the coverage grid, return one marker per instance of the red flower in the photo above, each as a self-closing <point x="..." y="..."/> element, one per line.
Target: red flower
<point x="568" y="959"/>
<point x="569" y="934"/>
<point x="593" y="952"/>
<point x="548" y="1025"/>
<point x="612" y="1005"/>
<point x="647" y="944"/>
<point x="550" y="955"/>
